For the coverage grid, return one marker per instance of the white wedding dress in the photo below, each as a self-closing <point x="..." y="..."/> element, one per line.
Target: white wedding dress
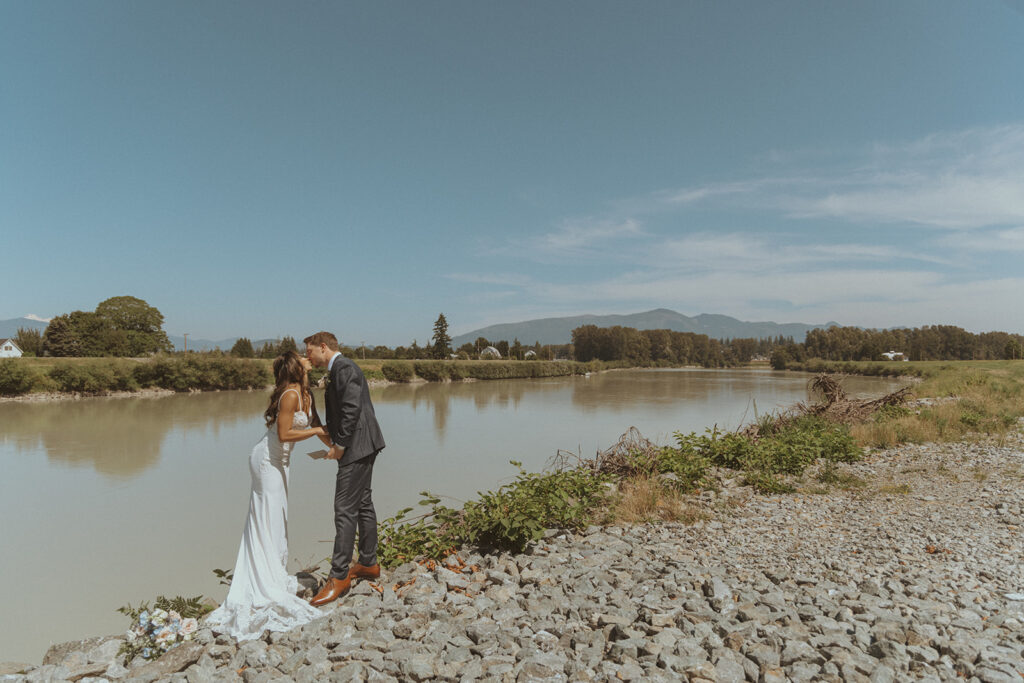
<point x="262" y="594"/>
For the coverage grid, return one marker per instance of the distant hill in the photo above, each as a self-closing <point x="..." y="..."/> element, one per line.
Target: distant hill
<point x="9" y="328"/>
<point x="559" y="330"/>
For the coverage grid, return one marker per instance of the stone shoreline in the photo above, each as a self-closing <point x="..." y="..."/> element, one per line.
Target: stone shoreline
<point x="914" y="571"/>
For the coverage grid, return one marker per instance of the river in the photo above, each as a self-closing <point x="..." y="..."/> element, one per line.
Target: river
<point x="106" y="501"/>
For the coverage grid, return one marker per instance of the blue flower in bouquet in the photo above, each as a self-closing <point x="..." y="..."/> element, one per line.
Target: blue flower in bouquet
<point x="144" y="619"/>
<point x="147" y="652"/>
<point x="174" y="621"/>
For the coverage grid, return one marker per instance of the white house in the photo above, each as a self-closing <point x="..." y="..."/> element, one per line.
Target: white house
<point x="8" y="349"/>
<point x="895" y="355"/>
<point x="490" y="352"/>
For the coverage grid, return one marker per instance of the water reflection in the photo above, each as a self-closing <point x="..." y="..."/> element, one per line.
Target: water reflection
<point x="119" y="437"/>
<point x="439" y="398"/>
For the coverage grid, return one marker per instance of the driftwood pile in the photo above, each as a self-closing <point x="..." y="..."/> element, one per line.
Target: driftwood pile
<point x="835" y="406"/>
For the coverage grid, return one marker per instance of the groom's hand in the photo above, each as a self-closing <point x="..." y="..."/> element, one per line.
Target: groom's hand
<point x="335" y="453"/>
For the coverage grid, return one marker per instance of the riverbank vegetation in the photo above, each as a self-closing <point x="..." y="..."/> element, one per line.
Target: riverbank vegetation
<point x="960" y="399"/>
<point x="192" y="372"/>
<point x="637" y="480"/>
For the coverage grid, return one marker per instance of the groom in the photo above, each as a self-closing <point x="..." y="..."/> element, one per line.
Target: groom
<point x="355" y="442"/>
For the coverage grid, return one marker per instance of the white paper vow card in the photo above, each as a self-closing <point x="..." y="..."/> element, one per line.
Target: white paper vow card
<point x="317" y="454"/>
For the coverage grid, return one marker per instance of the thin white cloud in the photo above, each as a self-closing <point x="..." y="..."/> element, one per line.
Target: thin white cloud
<point x="1010" y="240"/>
<point x="583" y="234"/>
<point x="959" y="180"/>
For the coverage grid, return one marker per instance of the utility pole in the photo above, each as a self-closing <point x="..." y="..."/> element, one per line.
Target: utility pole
<point x="186" y="341"/>
<point x="362" y="347"/>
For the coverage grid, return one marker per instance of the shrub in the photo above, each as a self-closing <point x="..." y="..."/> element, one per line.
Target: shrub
<point x="506" y="519"/>
<point x="432" y="370"/>
<point x="95" y="377"/>
<point x="397" y="371"/>
<point x="15" y="377"/>
<point x="202" y="372"/>
<point x="785" y="446"/>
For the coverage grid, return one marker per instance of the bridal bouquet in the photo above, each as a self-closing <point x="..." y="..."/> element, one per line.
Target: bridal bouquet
<point x="155" y="631"/>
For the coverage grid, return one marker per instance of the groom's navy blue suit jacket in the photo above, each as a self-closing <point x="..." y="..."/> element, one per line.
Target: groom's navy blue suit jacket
<point x="351" y="420"/>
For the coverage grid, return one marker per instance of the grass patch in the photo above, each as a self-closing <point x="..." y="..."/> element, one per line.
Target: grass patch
<point x="971" y="398"/>
<point x="831" y="475"/>
<point x="894" y="489"/>
<point x="649" y="499"/>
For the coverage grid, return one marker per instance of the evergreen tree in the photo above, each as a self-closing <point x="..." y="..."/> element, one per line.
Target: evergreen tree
<point x="442" y="343"/>
<point x="30" y="341"/>
<point x="243" y="349"/>
<point x="287" y="344"/>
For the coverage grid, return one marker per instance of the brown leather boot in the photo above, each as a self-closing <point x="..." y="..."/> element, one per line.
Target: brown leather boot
<point x="361" y="571"/>
<point x="332" y="590"/>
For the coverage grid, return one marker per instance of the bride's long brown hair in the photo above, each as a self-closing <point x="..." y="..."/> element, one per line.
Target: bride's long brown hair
<point x="288" y="369"/>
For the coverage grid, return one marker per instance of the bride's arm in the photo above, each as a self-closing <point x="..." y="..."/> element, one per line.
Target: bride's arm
<point x="285" y="415"/>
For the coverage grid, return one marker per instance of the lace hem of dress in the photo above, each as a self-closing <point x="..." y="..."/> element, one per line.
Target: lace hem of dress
<point x="248" y="622"/>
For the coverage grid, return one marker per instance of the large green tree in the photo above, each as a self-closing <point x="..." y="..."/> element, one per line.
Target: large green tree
<point x="78" y="333"/>
<point x="442" y="343"/>
<point x="137" y="326"/>
<point x="120" y="326"/>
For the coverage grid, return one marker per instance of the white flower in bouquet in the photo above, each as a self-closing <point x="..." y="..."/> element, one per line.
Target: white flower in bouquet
<point x="188" y="627"/>
<point x="158" y="618"/>
<point x="131" y="635"/>
<point x="165" y="637"/>
<point x="174" y="617"/>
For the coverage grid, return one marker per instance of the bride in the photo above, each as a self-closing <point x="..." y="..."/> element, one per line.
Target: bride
<point x="262" y="594"/>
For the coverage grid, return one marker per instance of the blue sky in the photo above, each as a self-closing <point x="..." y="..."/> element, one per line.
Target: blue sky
<point x="261" y="169"/>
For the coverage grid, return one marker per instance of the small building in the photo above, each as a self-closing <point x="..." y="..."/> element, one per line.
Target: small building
<point x="529" y="354"/>
<point x="894" y="355"/>
<point x="490" y="352"/>
<point x="8" y="349"/>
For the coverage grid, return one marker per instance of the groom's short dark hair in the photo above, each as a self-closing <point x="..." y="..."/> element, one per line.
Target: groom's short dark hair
<point x="322" y="338"/>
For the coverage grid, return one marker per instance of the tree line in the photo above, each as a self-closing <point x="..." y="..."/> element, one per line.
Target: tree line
<point x="666" y="347"/>
<point x="930" y="342"/>
<point x="126" y="326"/>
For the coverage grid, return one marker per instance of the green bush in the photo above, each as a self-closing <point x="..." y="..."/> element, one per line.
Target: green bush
<point x="15" y="377"/>
<point x="202" y="372"/>
<point x="432" y="370"/>
<point x="507" y="519"/>
<point x="397" y="371"/>
<point x="784" y="446"/>
<point x="95" y="377"/>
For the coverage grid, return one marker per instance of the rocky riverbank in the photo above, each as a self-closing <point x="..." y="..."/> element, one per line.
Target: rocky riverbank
<point x="907" y="565"/>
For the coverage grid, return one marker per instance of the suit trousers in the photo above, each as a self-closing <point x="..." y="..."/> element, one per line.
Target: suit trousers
<point x="353" y="510"/>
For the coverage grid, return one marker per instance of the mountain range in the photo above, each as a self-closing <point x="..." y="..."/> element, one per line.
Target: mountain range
<point x="9" y="328"/>
<point x="559" y="330"/>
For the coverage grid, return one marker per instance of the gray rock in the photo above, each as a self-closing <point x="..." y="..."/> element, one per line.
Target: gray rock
<point x="729" y="671"/>
<point x="172" y="661"/>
